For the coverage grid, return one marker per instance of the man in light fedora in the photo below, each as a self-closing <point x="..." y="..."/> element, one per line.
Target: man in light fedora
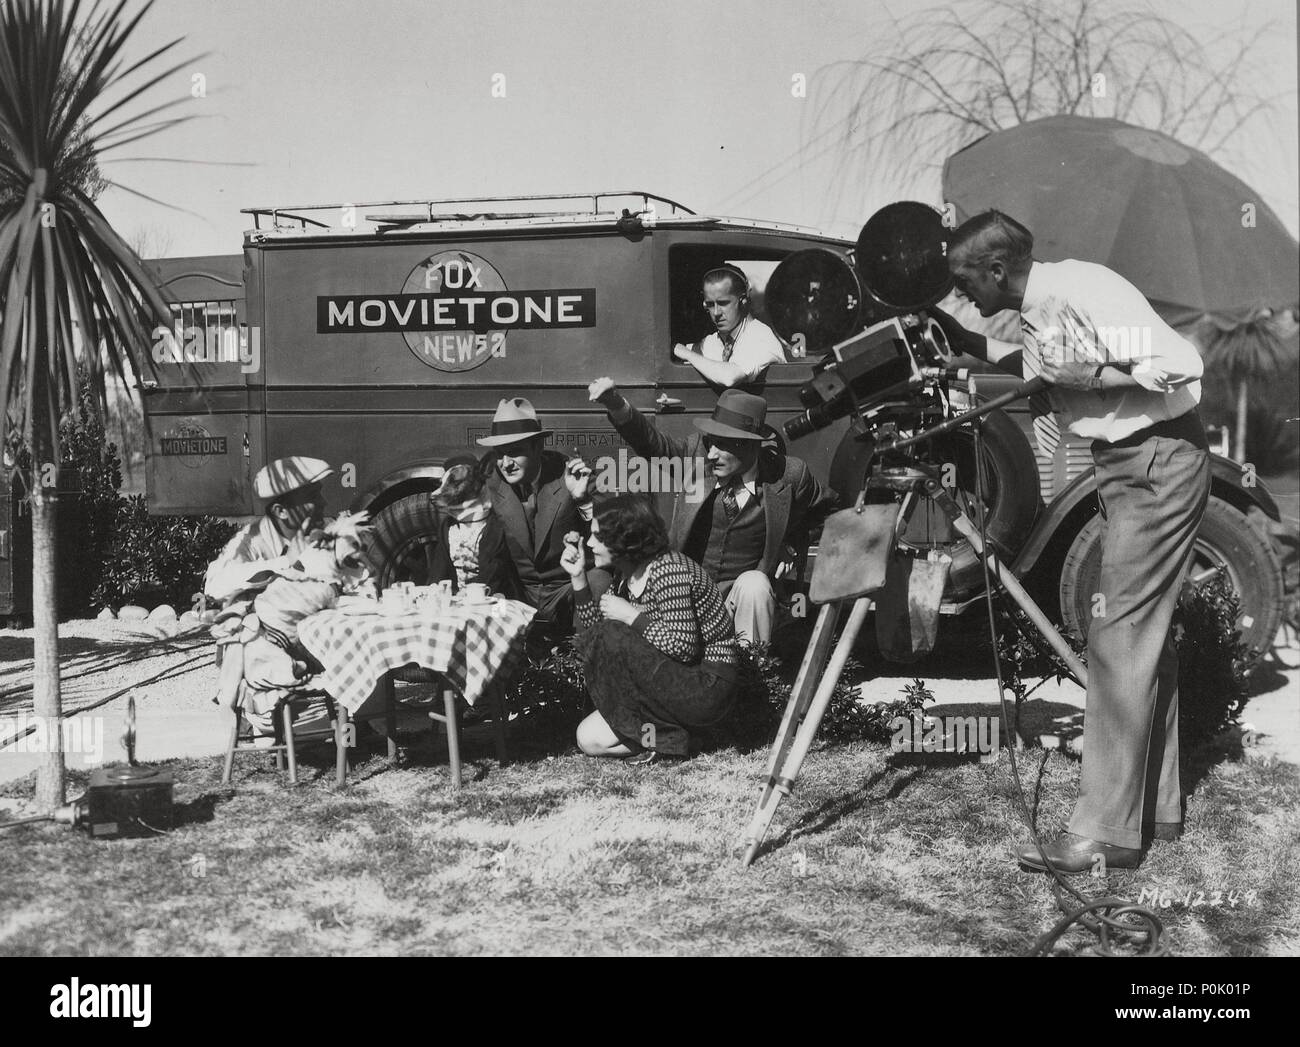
<point x="539" y="496"/>
<point x="762" y="501"/>
<point x="295" y="506"/>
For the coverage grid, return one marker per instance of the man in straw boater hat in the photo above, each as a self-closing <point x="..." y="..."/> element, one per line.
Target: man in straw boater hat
<point x="295" y="507"/>
<point x="762" y="501"/>
<point x="539" y="496"/>
<point x="271" y="574"/>
<point x="1137" y="404"/>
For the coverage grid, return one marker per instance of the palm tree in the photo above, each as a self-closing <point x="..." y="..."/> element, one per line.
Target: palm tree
<point x="1242" y="351"/>
<point x="71" y="290"/>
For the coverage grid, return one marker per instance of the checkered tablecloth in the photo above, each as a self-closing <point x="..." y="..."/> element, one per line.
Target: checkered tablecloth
<point x="470" y="646"/>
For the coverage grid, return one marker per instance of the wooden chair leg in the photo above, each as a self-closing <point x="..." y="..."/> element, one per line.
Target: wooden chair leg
<point x="390" y="716"/>
<point x="287" y="719"/>
<point x="453" y="734"/>
<point x="499" y="725"/>
<point x="341" y="746"/>
<point x="229" y="767"/>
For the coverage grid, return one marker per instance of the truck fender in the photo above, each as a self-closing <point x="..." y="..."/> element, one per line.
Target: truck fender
<point x="1080" y="497"/>
<point x="422" y="475"/>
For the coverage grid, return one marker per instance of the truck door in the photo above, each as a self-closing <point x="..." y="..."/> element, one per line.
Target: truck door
<point x="200" y="439"/>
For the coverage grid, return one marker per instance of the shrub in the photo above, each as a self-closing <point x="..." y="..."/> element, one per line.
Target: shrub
<point x="92" y="469"/>
<point x="1211" y="658"/>
<point x="1211" y="661"/>
<point x="765" y="693"/>
<point x="558" y="682"/>
<point x="158" y="559"/>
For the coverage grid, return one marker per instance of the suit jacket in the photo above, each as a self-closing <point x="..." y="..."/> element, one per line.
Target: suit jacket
<point x="794" y="503"/>
<point x="537" y="558"/>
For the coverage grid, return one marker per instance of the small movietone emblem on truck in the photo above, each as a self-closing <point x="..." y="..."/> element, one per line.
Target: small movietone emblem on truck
<point x="454" y="311"/>
<point x="192" y="443"/>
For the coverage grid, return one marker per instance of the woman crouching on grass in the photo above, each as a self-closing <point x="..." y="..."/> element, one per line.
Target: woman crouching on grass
<point x="658" y="650"/>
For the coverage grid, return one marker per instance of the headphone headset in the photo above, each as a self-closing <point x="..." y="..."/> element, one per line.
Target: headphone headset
<point x="739" y="279"/>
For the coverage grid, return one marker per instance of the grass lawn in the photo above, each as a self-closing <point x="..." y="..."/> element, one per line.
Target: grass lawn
<point x="560" y="854"/>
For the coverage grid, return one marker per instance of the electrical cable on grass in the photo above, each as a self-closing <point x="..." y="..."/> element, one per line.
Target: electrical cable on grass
<point x="1101" y="916"/>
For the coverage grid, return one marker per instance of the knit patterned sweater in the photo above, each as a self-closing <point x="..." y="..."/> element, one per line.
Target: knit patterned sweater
<point x="685" y="617"/>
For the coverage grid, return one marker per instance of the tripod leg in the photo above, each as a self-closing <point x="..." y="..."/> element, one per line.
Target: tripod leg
<point x="801" y="694"/>
<point x="783" y="782"/>
<point x="963" y="524"/>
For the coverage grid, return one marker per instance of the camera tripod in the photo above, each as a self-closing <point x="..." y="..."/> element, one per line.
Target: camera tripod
<point x="824" y="658"/>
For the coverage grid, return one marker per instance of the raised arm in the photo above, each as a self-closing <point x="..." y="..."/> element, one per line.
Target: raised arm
<point x="643" y="437"/>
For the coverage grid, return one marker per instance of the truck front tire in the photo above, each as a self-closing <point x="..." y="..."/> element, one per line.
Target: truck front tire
<point x="405" y="534"/>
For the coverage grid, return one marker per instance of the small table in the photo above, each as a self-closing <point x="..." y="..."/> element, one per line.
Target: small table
<point x="472" y="646"/>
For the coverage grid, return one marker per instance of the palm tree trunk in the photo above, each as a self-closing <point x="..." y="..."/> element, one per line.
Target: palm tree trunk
<point x="1239" y="444"/>
<point x="46" y="700"/>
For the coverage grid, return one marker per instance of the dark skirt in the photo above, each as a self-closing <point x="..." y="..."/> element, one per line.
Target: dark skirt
<point x="650" y="700"/>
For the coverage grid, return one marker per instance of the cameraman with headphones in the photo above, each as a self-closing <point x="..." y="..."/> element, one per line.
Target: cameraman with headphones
<point x="742" y="346"/>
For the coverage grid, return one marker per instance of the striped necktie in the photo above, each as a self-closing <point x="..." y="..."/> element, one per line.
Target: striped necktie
<point x="1047" y="432"/>
<point x="730" y="505"/>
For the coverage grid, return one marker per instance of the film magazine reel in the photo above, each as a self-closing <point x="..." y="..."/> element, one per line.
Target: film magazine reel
<point x="820" y="301"/>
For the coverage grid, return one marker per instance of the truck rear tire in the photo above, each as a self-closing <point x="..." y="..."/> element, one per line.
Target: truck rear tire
<point x="1226" y="539"/>
<point x="405" y="534"/>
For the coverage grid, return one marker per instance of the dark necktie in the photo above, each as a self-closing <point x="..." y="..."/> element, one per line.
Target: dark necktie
<point x="528" y="500"/>
<point x="729" y="504"/>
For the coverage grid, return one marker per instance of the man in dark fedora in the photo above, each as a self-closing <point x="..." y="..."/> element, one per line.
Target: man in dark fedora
<point x="762" y="500"/>
<point x="539" y="496"/>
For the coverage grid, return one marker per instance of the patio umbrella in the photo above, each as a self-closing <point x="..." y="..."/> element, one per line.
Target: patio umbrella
<point x="1163" y="215"/>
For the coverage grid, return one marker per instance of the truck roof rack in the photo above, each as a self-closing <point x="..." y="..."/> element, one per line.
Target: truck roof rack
<point x="422" y="212"/>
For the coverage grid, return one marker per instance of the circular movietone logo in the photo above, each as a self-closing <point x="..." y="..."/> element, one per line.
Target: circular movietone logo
<point x="465" y="284"/>
<point x="191" y="444"/>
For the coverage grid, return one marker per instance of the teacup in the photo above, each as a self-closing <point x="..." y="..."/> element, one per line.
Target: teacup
<point x="477" y="592"/>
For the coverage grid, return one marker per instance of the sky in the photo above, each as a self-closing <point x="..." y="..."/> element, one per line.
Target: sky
<point x="334" y="102"/>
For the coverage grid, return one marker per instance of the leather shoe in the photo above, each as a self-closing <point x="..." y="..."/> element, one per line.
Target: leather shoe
<point x="1169" y="832"/>
<point x="1074" y="854"/>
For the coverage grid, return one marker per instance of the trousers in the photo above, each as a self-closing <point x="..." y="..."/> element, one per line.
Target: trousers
<point x="752" y="604"/>
<point x="1152" y="493"/>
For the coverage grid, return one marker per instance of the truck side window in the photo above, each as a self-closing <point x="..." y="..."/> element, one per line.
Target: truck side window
<point x="690" y="322"/>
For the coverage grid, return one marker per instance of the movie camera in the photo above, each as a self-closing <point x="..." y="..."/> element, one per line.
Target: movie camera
<point x="870" y="317"/>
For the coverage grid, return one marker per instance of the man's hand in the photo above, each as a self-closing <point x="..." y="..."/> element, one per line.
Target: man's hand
<point x="1074" y="374"/>
<point x="577" y="478"/>
<point x="961" y="340"/>
<point x="682" y="352"/>
<point x="617" y="609"/>
<point x="603" y="391"/>
<point x="572" y="559"/>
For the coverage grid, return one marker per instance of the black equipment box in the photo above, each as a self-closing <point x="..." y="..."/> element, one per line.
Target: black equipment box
<point x="128" y="801"/>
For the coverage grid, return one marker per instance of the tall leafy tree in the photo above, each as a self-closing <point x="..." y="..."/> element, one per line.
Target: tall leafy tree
<point x="72" y="292"/>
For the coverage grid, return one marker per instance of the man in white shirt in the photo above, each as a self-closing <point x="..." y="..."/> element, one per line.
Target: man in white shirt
<point x="742" y="346"/>
<point x="1122" y="377"/>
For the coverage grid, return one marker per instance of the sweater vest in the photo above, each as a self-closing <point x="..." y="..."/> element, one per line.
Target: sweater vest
<point x="727" y="549"/>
